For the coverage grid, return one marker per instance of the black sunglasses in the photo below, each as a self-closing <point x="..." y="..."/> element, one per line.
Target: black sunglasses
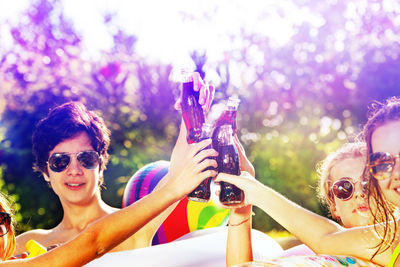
<point x="344" y="188"/>
<point x="381" y="165"/>
<point x="5" y="223"/>
<point x="60" y="161"/>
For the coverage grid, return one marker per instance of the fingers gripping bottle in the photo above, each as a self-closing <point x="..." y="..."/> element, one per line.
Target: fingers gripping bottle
<point x="228" y="117"/>
<point x="192" y="112"/>
<point x="228" y="162"/>
<point x="202" y="192"/>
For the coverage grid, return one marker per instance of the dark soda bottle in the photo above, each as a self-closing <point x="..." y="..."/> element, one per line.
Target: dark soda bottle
<point x="228" y="162"/>
<point x="192" y="112"/>
<point x="202" y="192"/>
<point x="228" y="117"/>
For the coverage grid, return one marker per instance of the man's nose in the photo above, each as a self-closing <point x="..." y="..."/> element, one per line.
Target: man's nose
<point x="74" y="166"/>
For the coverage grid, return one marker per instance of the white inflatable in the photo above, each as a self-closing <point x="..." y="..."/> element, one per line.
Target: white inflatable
<point x="200" y="248"/>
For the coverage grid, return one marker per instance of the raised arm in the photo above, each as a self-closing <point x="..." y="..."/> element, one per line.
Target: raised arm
<point x="321" y="234"/>
<point x="238" y="246"/>
<point x="206" y="95"/>
<point x="109" y="231"/>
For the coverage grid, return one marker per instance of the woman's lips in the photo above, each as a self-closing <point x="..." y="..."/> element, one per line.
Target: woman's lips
<point x="361" y="208"/>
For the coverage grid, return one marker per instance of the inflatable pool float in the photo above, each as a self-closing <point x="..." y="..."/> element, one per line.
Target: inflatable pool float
<point x="188" y="216"/>
<point x="311" y="261"/>
<point x="200" y="248"/>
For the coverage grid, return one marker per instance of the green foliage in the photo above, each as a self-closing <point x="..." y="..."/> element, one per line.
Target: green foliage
<point x="285" y="160"/>
<point x="299" y="101"/>
<point x="136" y="100"/>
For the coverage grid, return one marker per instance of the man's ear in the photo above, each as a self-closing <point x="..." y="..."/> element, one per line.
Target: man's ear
<point x="46" y="178"/>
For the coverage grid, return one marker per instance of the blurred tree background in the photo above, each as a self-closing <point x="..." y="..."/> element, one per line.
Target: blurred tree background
<point x="299" y="101"/>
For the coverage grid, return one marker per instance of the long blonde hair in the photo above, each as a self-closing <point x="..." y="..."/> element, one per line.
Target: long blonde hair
<point x="380" y="114"/>
<point x="324" y="168"/>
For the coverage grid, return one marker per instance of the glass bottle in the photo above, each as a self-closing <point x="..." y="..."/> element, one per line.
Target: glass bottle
<point x="192" y="111"/>
<point x="202" y="192"/>
<point x="228" y="162"/>
<point x="228" y="117"/>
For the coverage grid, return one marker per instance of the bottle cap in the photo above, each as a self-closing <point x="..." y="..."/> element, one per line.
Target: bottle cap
<point x="233" y="102"/>
<point x="34" y="248"/>
<point x="186" y="75"/>
<point x="207" y="125"/>
<point x="234" y="98"/>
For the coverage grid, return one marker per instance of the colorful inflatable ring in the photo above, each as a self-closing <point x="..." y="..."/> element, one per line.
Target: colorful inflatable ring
<point x="188" y="215"/>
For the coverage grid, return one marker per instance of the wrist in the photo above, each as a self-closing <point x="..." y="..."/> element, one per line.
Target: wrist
<point x="243" y="222"/>
<point x="168" y="192"/>
<point x="239" y="218"/>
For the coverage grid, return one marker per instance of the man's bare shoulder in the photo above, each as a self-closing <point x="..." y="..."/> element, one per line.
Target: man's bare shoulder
<point x="35" y="234"/>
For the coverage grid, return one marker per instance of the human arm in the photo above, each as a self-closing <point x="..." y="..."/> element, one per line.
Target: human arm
<point x="321" y="234"/>
<point x="103" y="235"/>
<point x="109" y="231"/>
<point x="145" y="235"/>
<point x="238" y="247"/>
<point x="206" y="94"/>
<point x="38" y="235"/>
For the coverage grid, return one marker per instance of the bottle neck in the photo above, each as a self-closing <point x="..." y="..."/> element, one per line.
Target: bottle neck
<point x="225" y="137"/>
<point x="231" y="108"/>
<point x="186" y="76"/>
<point x="232" y="104"/>
<point x="187" y="88"/>
<point x="206" y="134"/>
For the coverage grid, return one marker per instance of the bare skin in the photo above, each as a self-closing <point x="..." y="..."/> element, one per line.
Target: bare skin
<point x="325" y="236"/>
<point x="79" y="193"/>
<point x="106" y="233"/>
<point x="354" y="211"/>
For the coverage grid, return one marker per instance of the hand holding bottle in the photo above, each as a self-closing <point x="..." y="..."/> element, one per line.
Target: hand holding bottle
<point x="247" y="183"/>
<point x="206" y="93"/>
<point x="189" y="161"/>
<point x="195" y="99"/>
<point x="202" y="193"/>
<point x="228" y="162"/>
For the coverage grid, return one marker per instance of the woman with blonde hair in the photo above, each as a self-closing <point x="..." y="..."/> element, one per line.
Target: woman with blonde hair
<point x="342" y="186"/>
<point x="365" y="245"/>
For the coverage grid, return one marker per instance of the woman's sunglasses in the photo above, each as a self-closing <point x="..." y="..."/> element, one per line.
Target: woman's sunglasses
<point x="381" y="165"/>
<point x="58" y="162"/>
<point x="5" y="223"/>
<point x="344" y="188"/>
